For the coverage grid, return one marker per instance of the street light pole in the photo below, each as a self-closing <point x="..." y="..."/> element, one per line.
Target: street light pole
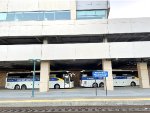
<point x="34" y="68"/>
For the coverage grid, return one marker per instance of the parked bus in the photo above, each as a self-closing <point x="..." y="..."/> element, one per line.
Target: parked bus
<point x="124" y="80"/>
<point x="24" y="80"/>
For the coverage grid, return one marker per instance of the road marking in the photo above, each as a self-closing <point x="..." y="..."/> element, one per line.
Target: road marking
<point x="75" y="100"/>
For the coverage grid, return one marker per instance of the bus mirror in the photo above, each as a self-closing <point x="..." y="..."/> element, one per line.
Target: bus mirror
<point x="66" y="76"/>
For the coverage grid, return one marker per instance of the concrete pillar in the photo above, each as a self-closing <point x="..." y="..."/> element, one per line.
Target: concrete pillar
<point x="44" y="76"/>
<point x="143" y="75"/>
<point x="105" y="40"/>
<point x="45" y="41"/>
<point x="149" y="73"/>
<point x="73" y="9"/>
<point x="76" y="78"/>
<point x="2" y="79"/>
<point x="109" y="80"/>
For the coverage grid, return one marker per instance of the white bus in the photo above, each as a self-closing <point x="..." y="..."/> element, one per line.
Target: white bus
<point x="16" y="81"/>
<point x="117" y="81"/>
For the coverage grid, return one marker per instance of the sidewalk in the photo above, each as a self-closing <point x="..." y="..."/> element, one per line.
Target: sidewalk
<point x="75" y="97"/>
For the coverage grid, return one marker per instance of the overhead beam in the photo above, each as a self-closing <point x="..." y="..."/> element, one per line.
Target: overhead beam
<point x="38" y="39"/>
<point x="3" y="41"/>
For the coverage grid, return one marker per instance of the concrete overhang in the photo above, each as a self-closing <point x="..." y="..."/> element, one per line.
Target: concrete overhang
<point x="118" y="65"/>
<point x="74" y="28"/>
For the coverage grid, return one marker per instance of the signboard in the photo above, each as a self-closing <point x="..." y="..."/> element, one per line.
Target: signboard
<point x="99" y="74"/>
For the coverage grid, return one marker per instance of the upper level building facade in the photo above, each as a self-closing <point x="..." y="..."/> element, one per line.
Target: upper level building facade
<point x="15" y="10"/>
<point x="49" y="17"/>
<point x="70" y="30"/>
<point x="68" y="20"/>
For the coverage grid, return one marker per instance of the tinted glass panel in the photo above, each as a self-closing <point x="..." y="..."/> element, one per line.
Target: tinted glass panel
<point x="10" y="17"/>
<point x="3" y="16"/>
<point x="35" y="16"/>
<point x="101" y="14"/>
<point x="30" y="16"/>
<point x="62" y="15"/>
<point x="19" y="16"/>
<point x="40" y="16"/>
<point x="49" y="16"/>
<point x="91" y="14"/>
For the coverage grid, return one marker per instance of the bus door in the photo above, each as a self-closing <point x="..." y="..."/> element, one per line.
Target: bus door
<point x="66" y="81"/>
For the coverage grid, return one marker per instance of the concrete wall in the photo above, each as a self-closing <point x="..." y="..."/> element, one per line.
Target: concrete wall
<point x="74" y="27"/>
<point x="75" y="51"/>
<point x="92" y="4"/>
<point x="34" y="5"/>
<point x="2" y="79"/>
<point x="39" y="28"/>
<point x="128" y="25"/>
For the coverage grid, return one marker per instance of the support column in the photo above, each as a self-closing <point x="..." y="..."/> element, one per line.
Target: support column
<point x="45" y="41"/>
<point x="73" y="9"/>
<point x="105" y="40"/>
<point x="143" y="75"/>
<point x="109" y="80"/>
<point x="149" y="72"/>
<point x="44" y="76"/>
<point x="2" y="79"/>
<point x="76" y="78"/>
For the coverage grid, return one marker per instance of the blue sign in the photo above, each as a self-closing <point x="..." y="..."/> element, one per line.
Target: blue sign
<point x="99" y="74"/>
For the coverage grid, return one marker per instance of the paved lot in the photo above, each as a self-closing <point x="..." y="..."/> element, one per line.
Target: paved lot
<point x="75" y="97"/>
<point x="76" y="92"/>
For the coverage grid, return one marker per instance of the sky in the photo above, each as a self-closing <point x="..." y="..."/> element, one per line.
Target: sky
<point x="129" y="8"/>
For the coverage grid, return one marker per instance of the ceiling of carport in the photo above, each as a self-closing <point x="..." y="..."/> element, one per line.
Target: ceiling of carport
<point x="74" y="64"/>
<point x="86" y="64"/>
<point x="55" y="65"/>
<point x="128" y="37"/>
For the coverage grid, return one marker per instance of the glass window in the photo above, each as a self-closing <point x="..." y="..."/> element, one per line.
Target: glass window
<point x="101" y="14"/>
<point x="91" y="14"/>
<point x="29" y="16"/>
<point x="49" y="16"/>
<point x="18" y="16"/>
<point x="35" y="16"/>
<point x="63" y="15"/>
<point x="10" y="17"/>
<point x="3" y="16"/>
<point x="40" y="16"/>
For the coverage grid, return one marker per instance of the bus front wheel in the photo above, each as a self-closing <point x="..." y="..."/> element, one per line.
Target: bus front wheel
<point x="57" y="86"/>
<point x="17" y="87"/>
<point x="95" y="85"/>
<point x="101" y="84"/>
<point x="23" y="87"/>
<point x="133" y="84"/>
